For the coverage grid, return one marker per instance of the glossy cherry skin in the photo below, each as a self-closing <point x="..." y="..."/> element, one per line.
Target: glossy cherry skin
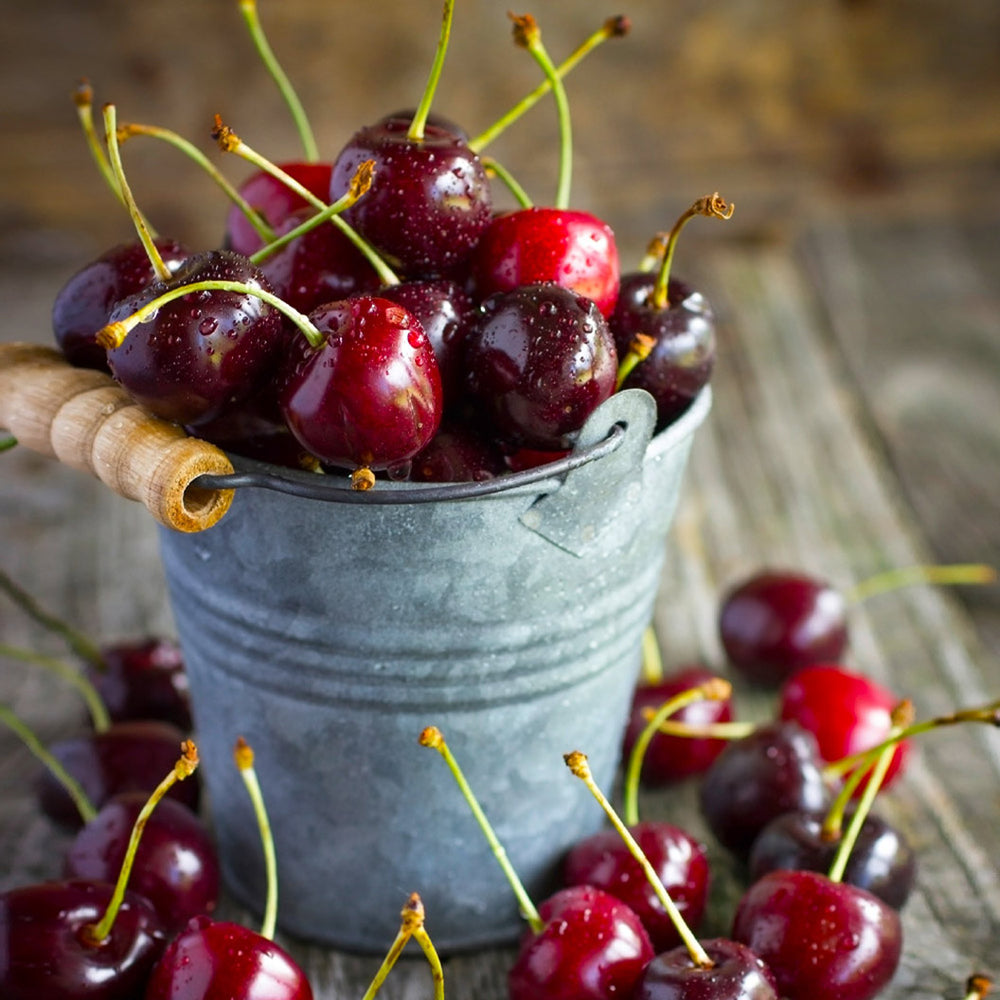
<point x="127" y="757"/>
<point x="144" y="679"/>
<point x="778" y="621"/>
<point x="669" y="759"/>
<point x="603" y="861"/>
<point x="822" y="940"/>
<point x="219" y="960"/>
<point x="44" y="952"/>
<point x="592" y="947"/>
<point x="533" y="245"/>
<point x="846" y="711"/>
<point x="457" y="454"/>
<point x="371" y="394"/>
<point x="430" y="199"/>
<point x="881" y="861"/>
<point x="201" y="352"/>
<point x="274" y="200"/>
<point x="774" y="770"/>
<point x="83" y="305"/>
<point x="682" y="358"/>
<point x="737" y="974"/>
<point x="539" y="360"/>
<point x="176" y="867"/>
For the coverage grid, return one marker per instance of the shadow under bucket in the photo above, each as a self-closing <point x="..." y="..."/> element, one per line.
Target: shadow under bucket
<point x="329" y="634"/>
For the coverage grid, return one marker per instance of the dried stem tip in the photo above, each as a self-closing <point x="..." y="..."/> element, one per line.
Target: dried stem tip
<point x="227" y="139"/>
<point x="577" y="762"/>
<point x="188" y="761"/>
<point x="243" y="754"/>
<point x="431" y="737"/>
<point x="412" y="913"/>
<point x="526" y="30"/>
<point x="713" y="206"/>
<point x="618" y="26"/>
<point x="977" y="986"/>
<point x="83" y="94"/>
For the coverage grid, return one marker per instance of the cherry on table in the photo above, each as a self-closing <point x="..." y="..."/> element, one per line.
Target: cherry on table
<point x="736" y="973"/>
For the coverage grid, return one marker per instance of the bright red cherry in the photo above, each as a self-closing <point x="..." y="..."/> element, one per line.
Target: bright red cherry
<point x="571" y="248"/>
<point x="591" y="947"/>
<point x="822" y="940"/>
<point x="776" y="622"/>
<point x="847" y="712"/>
<point x="736" y="974"/>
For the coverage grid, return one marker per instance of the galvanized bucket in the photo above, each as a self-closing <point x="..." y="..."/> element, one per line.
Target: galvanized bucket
<point x="329" y="628"/>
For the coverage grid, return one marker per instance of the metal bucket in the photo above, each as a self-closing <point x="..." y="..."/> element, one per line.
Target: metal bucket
<point x="329" y="634"/>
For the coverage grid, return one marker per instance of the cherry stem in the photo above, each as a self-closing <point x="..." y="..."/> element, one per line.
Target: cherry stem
<point x="248" y="8"/>
<point x="243" y="755"/>
<point x="360" y="183"/>
<point x="613" y="27"/>
<point x="79" y="643"/>
<point x="7" y="442"/>
<point x="977" y="986"/>
<point x="528" y="35"/>
<point x="187" y="763"/>
<point x="711" y="730"/>
<point x="411" y="917"/>
<point x="715" y="689"/>
<point x="95" y="706"/>
<point x="83" y="98"/>
<point x="577" y="763"/>
<point x="433" y="738"/>
<point x="73" y="787"/>
<point x="145" y="236"/>
<point x="114" y="334"/>
<point x="417" y="125"/>
<point x="499" y="170"/>
<point x="230" y="142"/>
<point x="127" y="131"/>
<point x="640" y="349"/>
<point x="652" y="658"/>
<point x="433" y="959"/>
<point x="711" y="206"/>
<point x="893" y="579"/>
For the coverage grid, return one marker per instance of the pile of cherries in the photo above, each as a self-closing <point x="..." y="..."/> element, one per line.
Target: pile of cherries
<point x="375" y="313"/>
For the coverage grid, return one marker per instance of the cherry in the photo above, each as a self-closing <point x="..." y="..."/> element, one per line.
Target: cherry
<point x="821" y="939"/>
<point x="457" y="454"/>
<point x="84" y="304"/>
<point x="736" y="973"/>
<point x="847" y="713"/>
<point x="539" y="360"/>
<point x="882" y="860"/>
<point x="176" y="867"/>
<point x="773" y="770"/>
<point x="366" y="392"/>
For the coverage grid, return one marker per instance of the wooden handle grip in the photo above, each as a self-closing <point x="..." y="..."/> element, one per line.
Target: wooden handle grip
<point x="87" y="421"/>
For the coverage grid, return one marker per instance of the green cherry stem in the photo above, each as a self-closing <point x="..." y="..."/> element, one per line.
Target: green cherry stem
<point x="528" y="35"/>
<point x="577" y="763"/>
<point x="713" y="207"/>
<point x="243" y="756"/>
<point x="716" y="689"/>
<point x="7" y="442"/>
<point x="248" y="8"/>
<point x="712" y="730"/>
<point x="73" y="787"/>
<point x="639" y="349"/>
<point x="419" y="122"/>
<point x="186" y="765"/>
<point x="411" y="917"/>
<point x="613" y="27"/>
<point x="78" y="643"/>
<point x="498" y="170"/>
<point x="652" y="658"/>
<point x="83" y="99"/>
<point x="422" y="938"/>
<point x="98" y="710"/>
<point x="433" y="738"/>
<point x="145" y="235"/>
<point x="230" y="142"/>
<point x="908" y="576"/>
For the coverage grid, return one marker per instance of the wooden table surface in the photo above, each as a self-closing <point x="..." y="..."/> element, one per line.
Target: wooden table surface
<point x="856" y="427"/>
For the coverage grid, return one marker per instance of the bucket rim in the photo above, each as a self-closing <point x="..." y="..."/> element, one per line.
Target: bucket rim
<point x="251" y="473"/>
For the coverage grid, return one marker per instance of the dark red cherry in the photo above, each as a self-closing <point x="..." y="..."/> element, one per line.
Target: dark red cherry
<point x="604" y="861"/>
<point x="274" y="200"/>
<point x="83" y="305"/>
<point x="176" y="866"/>
<point x="777" y="621"/>
<point x="430" y="199"/>
<point x="533" y="245"/>
<point x="203" y="351"/>
<point x="539" y="360"/>
<point x="127" y="757"/>
<point x="682" y="357"/>
<point x="370" y="395"/>
<point x="881" y="860"/>
<point x="45" y="951"/>
<point x="737" y="974"/>
<point x="592" y="947"/>
<point x="822" y="940"/>
<point x="219" y="960"/>
<point x="674" y="758"/>
<point x="774" y="770"/>
<point x="405" y="115"/>
<point x="457" y="454"/>
<point x="847" y="712"/>
<point x="144" y="679"/>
